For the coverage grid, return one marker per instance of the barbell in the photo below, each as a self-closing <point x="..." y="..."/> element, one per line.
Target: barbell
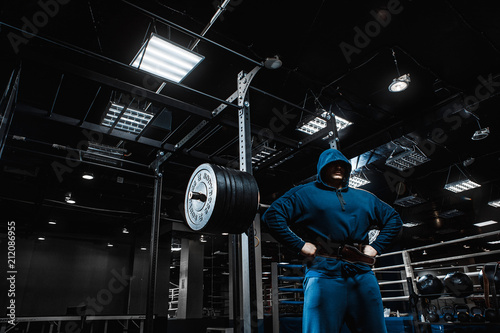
<point x="220" y="199"/>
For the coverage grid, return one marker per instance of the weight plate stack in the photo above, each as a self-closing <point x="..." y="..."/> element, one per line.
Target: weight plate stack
<point x="220" y="199"/>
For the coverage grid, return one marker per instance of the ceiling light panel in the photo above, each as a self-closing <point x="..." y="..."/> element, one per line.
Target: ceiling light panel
<point x="163" y="58"/>
<point x="357" y="180"/>
<point x="409" y="201"/>
<point x="318" y="123"/>
<point x="494" y="203"/>
<point x="407" y="159"/>
<point x="461" y="185"/>
<point x="131" y="120"/>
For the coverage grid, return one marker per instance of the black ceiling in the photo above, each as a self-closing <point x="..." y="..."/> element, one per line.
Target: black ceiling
<point x="73" y="59"/>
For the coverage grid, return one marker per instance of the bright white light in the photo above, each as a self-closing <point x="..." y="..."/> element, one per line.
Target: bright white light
<point x="110" y="245"/>
<point x="165" y="59"/>
<point x="411" y="224"/>
<point x="494" y="203"/>
<point x="400" y="83"/>
<point x="88" y="176"/>
<point x="485" y="223"/>
<point x="41" y="238"/>
<point x="52" y="222"/>
<point x="357" y="180"/>
<point x="407" y="159"/>
<point x="143" y="249"/>
<point x="317" y="124"/>
<point x="131" y="120"/>
<point x="494" y="242"/>
<point x="461" y="185"/>
<point x="125" y="230"/>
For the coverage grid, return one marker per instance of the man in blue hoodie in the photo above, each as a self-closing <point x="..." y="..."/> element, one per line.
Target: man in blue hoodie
<point x="320" y="220"/>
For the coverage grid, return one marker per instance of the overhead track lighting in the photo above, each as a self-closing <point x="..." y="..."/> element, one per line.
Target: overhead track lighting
<point x="165" y="59"/>
<point x="460" y="185"/>
<point x="402" y="81"/>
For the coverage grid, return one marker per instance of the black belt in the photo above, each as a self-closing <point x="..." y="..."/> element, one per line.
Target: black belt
<point x="347" y="253"/>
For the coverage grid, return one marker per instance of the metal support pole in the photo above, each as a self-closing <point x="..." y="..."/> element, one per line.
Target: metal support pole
<point x="333" y="136"/>
<point x="275" y="297"/>
<point x="7" y="112"/>
<point x="155" y="231"/>
<point x="246" y="286"/>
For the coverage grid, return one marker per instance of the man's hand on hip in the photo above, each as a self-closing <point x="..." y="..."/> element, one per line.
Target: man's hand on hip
<point x="308" y="250"/>
<point x="369" y="251"/>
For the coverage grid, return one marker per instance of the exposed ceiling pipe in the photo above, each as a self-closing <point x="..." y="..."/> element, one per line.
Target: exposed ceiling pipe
<point x="221" y="9"/>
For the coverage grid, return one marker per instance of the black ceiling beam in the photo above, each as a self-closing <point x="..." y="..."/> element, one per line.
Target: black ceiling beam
<point x="118" y="134"/>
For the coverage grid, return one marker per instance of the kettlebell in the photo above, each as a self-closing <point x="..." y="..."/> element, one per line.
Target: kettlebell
<point x="448" y="313"/>
<point x="491" y="315"/>
<point x="432" y="314"/>
<point x="462" y="311"/>
<point x="477" y="314"/>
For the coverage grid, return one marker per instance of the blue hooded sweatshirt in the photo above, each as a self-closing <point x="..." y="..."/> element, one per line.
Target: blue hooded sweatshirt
<point x="318" y="212"/>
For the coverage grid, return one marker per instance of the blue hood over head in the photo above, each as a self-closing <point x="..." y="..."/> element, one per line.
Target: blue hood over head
<point x="332" y="155"/>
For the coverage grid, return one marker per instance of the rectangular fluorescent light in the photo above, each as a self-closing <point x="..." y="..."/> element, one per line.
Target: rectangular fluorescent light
<point x="409" y="201"/>
<point x="103" y="153"/>
<point x="262" y="154"/>
<point x="131" y="120"/>
<point x="165" y="59"/>
<point x="358" y="179"/>
<point x="411" y="224"/>
<point x="318" y="123"/>
<point x="461" y="185"/>
<point x="450" y="213"/>
<point x="485" y="223"/>
<point x="494" y="242"/>
<point x="407" y="159"/>
<point x="494" y="203"/>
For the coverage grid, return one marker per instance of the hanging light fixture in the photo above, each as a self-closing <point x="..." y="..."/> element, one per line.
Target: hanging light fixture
<point x="165" y="59"/>
<point x="402" y="81"/>
<point x="481" y="133"/>
<point x="461" y="184"/>
<point x="358" y="179"/>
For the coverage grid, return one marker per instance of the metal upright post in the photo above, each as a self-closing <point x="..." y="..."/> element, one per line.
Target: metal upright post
<point x="245" y="311"/>
<point x="153" y="263"/>
<point x="333" y="136"/>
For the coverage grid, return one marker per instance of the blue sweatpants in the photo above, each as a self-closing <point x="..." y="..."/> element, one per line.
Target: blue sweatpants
<point x="353" y="299"/>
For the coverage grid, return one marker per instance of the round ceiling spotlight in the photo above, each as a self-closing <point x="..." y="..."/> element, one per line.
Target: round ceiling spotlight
<point x="400" y="83"/>
<point x="273" y="63"/>
<point x="88" y="175"/>
<point x="69" y="198"/>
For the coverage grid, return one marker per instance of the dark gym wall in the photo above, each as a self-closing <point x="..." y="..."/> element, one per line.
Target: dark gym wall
<point x="55" y="274"/>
